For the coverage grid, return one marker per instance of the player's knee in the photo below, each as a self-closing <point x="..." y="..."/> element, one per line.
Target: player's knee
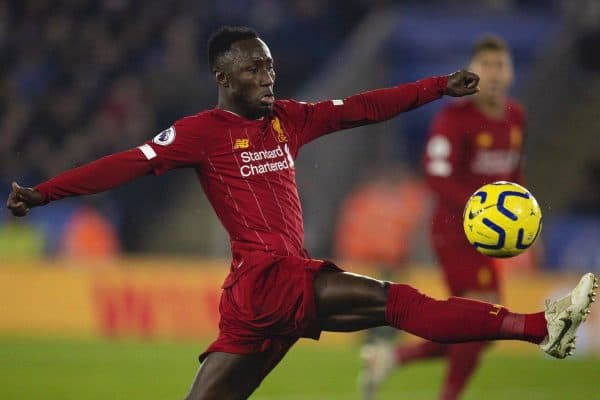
<point x="384" y="290"/>
<point x="377" y="294"/>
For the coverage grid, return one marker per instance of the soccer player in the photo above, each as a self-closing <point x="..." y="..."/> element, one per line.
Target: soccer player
<point x="243" y="152"/>
<point x="471" y="142"/>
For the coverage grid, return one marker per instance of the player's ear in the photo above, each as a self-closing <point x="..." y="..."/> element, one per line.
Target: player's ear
<point x="222" y="78"/>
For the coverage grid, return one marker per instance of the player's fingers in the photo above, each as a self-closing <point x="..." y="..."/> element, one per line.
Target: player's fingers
<point x="471" y="83"/>
<point x="464" y="92"/>
<point x="470" y="79"/>
<point x="20" y="212"/>
<point x="19" y="209"/>
<point x="22" y="209"/>
<point x="19" y="196"/>
<point x="13" y="203"/>
<point x="21" y="192"/>
<point x="12" y="200"/>
<point x="473" y="75"/>
<point x="17" y="191"/>
<point x="25" y="194"/>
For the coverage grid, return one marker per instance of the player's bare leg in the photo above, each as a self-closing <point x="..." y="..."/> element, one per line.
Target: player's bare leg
<point x="348" y="302"/>
<point x="225" y="376"/>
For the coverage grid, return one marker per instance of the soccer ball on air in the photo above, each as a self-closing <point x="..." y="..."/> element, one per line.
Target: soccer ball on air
<point x="502" y="219"/>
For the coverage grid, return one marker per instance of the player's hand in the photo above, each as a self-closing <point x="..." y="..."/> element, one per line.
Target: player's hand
<point x="462" y="83"/>
<point x="21" y="200"/>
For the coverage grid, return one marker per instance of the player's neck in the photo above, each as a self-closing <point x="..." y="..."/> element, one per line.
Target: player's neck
<point x="492" y="107"/>
<point x="225" y="105"/>
<point x="230" y="109"/>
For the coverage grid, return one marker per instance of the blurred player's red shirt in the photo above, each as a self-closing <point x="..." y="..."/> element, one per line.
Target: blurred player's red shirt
<point x="467" y="149"/>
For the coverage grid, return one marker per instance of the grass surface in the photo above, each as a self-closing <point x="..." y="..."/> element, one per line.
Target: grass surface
<point x="94" y="370"/>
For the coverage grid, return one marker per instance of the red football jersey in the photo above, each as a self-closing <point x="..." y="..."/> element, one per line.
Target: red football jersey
<point x="467" y="149"/>
<point x="246" y="167"/>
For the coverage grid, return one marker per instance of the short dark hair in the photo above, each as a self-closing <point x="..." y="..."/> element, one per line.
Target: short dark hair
<point x="221" y="40"/>
<point x="489" y="43"/>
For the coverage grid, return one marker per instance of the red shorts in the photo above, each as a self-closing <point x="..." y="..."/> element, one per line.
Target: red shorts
<point x="465" y="269"/>
<point x="267" y="304"/>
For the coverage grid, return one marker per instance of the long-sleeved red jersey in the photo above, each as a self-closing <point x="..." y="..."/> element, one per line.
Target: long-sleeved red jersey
<point x="246" y="167"/>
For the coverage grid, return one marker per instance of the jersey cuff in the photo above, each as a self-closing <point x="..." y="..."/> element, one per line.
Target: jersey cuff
<point x="41" y="190"/>
<point x="442" y="84"/>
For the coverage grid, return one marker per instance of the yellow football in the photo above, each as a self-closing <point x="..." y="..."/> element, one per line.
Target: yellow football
<point x="502" y="219"/>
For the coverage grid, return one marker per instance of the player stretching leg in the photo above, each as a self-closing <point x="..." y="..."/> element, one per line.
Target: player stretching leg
<point x="243" y="153"/>
<point x="471" y="143"/>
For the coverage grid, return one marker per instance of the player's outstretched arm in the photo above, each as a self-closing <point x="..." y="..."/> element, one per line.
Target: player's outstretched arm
<point x="382" y="104"/>
<point x="95" y="177"/>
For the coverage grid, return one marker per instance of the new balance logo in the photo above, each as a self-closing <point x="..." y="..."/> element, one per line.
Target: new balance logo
<point x="241" y="144"/>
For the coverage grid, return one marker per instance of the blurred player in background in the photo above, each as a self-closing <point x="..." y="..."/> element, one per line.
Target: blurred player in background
<point x="471" y="142"/>
<point x="378" y="220"/>
<point x="243" y="152"/>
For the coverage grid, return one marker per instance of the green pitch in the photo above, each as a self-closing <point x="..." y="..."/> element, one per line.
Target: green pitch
<point x="94" y="370"/>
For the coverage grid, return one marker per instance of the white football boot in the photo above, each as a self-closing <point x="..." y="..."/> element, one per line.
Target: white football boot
<point x="378" y="362"/>
<point x="564" y="316"/>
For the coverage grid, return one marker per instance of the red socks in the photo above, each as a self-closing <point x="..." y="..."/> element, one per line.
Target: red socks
<point x="458" y="319"/>
<point x="527" y="327"/>
<point x="420" y="351"/>
<point x="536" y="328"/>
<point x="463" y="359"/>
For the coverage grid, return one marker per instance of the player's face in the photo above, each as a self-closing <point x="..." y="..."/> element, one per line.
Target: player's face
<point x="495" y="70"/>
<point x="252" y="77"/>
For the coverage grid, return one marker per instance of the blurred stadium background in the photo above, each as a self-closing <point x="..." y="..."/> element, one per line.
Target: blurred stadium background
<point x="114" y="295"/>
